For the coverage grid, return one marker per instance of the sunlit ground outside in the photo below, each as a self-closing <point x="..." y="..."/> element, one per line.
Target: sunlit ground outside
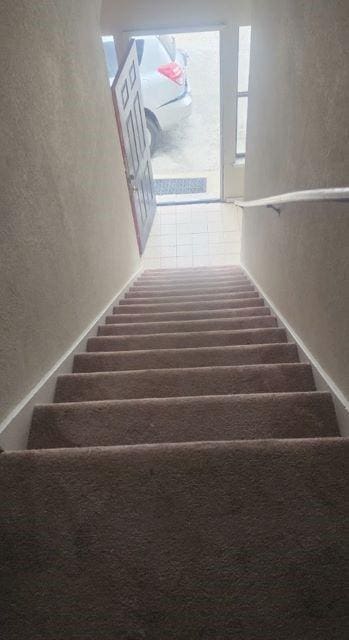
<point x="192" y="148"/>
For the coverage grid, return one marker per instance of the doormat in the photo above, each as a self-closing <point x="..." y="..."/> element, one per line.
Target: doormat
<point x="164" y="187"/>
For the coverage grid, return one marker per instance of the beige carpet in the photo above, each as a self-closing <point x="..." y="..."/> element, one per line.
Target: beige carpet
<point x="187" y="483"/>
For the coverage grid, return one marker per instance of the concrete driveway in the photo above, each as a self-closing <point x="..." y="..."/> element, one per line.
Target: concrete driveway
<point x="192" y="148"/>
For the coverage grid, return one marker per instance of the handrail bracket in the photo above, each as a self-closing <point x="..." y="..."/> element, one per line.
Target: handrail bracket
<point x="277" y="209"/>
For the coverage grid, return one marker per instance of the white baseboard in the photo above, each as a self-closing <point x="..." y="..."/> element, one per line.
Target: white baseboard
<point x="323" y="382"/>
<point x="14" y="430"/>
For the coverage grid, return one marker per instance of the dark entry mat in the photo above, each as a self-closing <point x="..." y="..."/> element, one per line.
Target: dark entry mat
<point x="165" y="187"/>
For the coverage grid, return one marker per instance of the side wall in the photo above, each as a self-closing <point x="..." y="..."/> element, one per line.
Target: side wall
<point x="67" y="240"/>
<point x="298" y="139"/>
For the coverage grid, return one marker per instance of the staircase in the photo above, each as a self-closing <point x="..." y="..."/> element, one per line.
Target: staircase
<point x="187" y="483"/>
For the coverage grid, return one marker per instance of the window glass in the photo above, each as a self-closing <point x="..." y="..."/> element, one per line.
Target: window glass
<point x="244" y="58"/>
<point x="241" y="125"/>
<point x="242" y="93"/>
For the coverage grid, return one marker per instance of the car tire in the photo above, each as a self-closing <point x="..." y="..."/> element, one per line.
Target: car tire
<point x="153" y="134"/>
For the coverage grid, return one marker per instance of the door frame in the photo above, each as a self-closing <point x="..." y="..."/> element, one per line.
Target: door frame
<point x="232" y="170"/>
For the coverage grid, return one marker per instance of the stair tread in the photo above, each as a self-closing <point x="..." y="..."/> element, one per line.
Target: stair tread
<point x="215" y="380"/>
<point x="239" y="295"/>
<point x="180" y="281"/>
<point x="260" y="524"/>
<point x="189" y="283"/>
<point x="187" y="315"/>
<point x="187" y="339"/>
<point x="187" y="325"/>
<point x="239" y="303"/>
<point x="187" y="292"/>
<point x="192" y="283"/>
<point x="211" y="269"/>
<point x="179" y="419"/>
<point x="197" y="356"/>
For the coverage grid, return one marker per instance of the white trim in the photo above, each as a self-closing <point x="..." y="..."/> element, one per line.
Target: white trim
<point x="323" y="381"/>
<point x="310" y="195"/>
<point x="14" y="430"/>
<point x="158" y="31"/>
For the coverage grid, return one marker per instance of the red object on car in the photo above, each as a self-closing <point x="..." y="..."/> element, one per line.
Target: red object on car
<point x="173" y="72"/>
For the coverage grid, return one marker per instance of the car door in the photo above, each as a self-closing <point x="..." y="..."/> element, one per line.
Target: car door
<point x="130" y="116"/>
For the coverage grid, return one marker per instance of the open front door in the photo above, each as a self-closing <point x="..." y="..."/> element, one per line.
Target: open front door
<point x="129" y="110"/>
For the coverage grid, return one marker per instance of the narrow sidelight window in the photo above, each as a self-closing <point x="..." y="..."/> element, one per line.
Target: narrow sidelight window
<point x="242" y="93"/>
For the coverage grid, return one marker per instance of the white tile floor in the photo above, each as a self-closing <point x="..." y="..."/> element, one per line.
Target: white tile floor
<point x="194" y="235"/>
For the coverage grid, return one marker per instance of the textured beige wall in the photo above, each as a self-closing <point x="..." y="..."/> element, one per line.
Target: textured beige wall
<point x="297" y="139"/>
<point x="67" y="240"/>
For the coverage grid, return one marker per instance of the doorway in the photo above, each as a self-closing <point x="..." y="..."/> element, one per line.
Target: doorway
<point x="181" y="86"/>
<point x="206" y="147"/>
<point x="186" y="156"/>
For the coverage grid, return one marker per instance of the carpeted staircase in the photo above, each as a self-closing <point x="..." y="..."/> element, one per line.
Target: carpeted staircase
<point x="187" y="483"/>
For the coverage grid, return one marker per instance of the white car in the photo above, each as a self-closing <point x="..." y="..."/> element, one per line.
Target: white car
<point x="165" y="88"/>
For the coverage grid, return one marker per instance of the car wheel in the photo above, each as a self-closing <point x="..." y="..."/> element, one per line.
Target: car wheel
<point x="153" y="134"/>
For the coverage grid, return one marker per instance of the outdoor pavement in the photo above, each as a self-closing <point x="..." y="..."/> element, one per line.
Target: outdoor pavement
<point x="192" y="148"/>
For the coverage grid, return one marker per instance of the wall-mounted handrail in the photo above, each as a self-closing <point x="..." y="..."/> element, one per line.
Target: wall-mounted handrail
<point x="310" y="195"/>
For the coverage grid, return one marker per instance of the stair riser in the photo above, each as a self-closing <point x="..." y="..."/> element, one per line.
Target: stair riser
<point x="182" y="278"/>
<point x="194" y="270"/>
<point x="115" y="423"/>
<point x="193" y="278"/>
<point x="184" y="382"/>
<point x="190" y="284"/>
<point x="185" y="277"/>
<point x="182" y="281"/>
<point x="188" y="293"/>
<point x="176" y="358"/>
<point x="185" y="340"/>
<point x="203" y="305"/>
<point x="183" y="284"/>
<point x="187" y="315"/>
<point x="180" y="274"/>
<point x="187" y="326"/>
<point x="210" y="297"/>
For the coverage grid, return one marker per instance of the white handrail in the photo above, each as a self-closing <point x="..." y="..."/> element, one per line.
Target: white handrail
<point x="310" y="195"/>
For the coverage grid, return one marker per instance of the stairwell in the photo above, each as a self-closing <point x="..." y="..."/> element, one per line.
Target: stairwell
<point x="187" y="482"/>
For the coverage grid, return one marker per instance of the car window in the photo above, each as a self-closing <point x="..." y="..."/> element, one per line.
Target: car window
<point x="140" y="49"/>
<point x="170" y="45"/>
<point x="154" y="55"/>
